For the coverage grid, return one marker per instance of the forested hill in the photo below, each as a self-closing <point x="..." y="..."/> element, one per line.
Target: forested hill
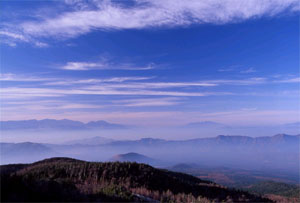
<point x="65" y="179"/>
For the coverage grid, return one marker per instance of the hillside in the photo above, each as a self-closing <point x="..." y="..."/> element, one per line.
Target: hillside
<point x="235" y="177"/>
<point x="275" y="188"/>
<point x="65" y="179"/>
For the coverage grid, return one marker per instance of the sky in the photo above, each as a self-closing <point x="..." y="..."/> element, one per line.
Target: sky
<point x="151" y="63"/>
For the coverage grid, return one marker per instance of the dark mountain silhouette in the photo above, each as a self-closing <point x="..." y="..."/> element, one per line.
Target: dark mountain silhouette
<point x="52" y="124"/>
<point x="65" y="179"/>
<point x="133" y="157"/>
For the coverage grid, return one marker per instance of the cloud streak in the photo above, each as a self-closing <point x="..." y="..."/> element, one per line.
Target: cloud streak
<point x="166" y="101"/>
<point x="249" y="70"/>
<point x="95" y="81"/>
<point x="21" y="78"/>
<point x="12" y="38"/>
<point x="18" y="93"/>
<point x="145" y="14"/>
<point x="84" y="66"/>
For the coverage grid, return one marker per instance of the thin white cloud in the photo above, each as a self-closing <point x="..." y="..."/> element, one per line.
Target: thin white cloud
<point x="36" y="106"/>
<point x="18" y="93"/>
<point x="153" y="85"/>
<point x="131" y="82"/>
<point x="40" y="44"/>
<point x="143" y="14"/>
<point x="65" y="81"/>
<point x="226" y="69"/>
<point x="13" y="35"/>
<point x="95" y="81"/>
<point x="83" y="66"/>
<point x="21" y="78"/>
<point x="167" y="101"/>
<point x="290" y="80"/>
<point x="249" y="70"/>
<point x="12" y="38"/>
<point x="247" y="81"/>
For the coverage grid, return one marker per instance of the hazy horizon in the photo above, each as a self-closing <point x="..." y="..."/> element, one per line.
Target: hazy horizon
<point x="60" y="131"/>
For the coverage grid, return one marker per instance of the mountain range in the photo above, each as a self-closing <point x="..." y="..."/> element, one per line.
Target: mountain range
<point x="205" y="126"/>
<point x="52" y="124"/>
<point x="279" y="152"/>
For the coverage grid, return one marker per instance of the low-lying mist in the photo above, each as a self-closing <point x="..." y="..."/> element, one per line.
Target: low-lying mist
<point x="167" y="147"/>
<point x="167" y="133"/>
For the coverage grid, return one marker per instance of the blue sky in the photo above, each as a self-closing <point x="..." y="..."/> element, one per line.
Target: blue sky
<point x="151" y="63"/>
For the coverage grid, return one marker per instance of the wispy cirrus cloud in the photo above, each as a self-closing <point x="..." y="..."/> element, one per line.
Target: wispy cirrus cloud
<point x="126" y="86"/>
<point x="36" y="106"/>
<point x="249" y="70"/>
<point x="83" y="66"/>
<point x="66" y="81"/>
<point x="12" y="38"/>
<point x="155" y="85"/>
<point x="289" y="80"/>
<point x="131" y="81"/>
<point x="226" y="69"/>
<point x="246" y="81"/>
<point x="165" y="101"/>
<point x="18" y="92"/>
<point x="144" y="14"/>
<point x="13" y="35"/>
<point x="95" y="81"/>
<point x="238" y="69"/>
<point x="22" y="78"/>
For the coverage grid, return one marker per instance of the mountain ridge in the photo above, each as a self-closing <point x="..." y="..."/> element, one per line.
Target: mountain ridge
<point x="68" y="179"/>
<point x="63" y="124"/>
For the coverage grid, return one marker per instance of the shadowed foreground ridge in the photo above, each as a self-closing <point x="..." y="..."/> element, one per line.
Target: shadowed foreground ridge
<point x="65" y="179"/>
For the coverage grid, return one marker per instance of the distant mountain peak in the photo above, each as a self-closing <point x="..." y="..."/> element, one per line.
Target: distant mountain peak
<point x="132" y="157"/>
<point x="98" y="122"/>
